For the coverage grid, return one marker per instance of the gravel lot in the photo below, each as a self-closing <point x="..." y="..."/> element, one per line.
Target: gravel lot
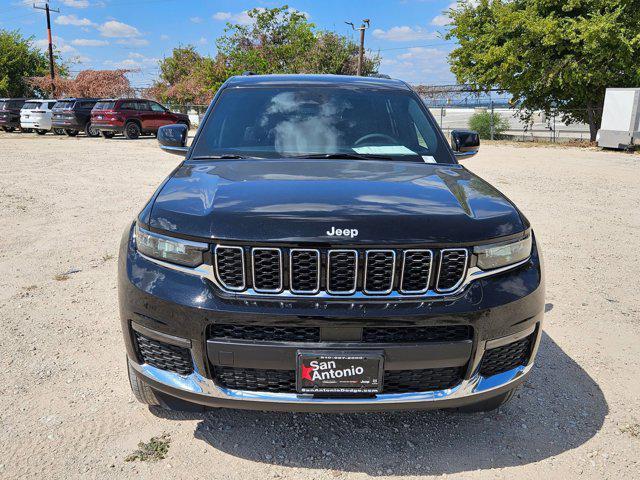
<point x="66" y="410"/>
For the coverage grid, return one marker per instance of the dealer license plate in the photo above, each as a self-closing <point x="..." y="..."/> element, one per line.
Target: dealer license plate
<point x="339" y="372"/>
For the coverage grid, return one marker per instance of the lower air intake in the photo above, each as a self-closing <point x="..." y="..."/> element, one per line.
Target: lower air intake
<point x="283" y="381"/>
<point x="163" y="355"/>
<point x="507" y="357"/>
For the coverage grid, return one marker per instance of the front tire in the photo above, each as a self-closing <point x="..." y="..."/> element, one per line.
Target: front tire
<point x="71" y="133"/>
<point x="107" y="134"/>
<point x="90" y="131"/>
<point x="41" y="132"/>
<point x="132" y="130"/>
<point x="8" y="129"/>
<point x="58" y="131"/>
<point x="142" y="391"/>
<point x="490" y="404"/>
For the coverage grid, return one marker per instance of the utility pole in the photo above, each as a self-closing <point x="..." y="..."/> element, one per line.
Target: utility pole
<point x="51" y="69"/>
<point x="361" y="28"/>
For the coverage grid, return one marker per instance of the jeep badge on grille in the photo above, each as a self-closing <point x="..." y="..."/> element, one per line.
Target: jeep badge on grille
<point x="342" y="232"/>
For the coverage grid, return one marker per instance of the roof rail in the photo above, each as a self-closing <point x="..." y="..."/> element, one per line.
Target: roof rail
<point x="247" y="73"/>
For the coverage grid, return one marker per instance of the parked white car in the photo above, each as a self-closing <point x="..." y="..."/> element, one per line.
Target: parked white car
<point x="36" y="115"/>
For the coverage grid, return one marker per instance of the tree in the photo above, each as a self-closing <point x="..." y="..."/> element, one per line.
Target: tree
<point x="186" y="77"/>
<point x="19" y="59"/>
<point x="557" y="56"/>
<point x="88" y="83"/>
<point x="481" y="123"/>
<point x="278" y="40"/>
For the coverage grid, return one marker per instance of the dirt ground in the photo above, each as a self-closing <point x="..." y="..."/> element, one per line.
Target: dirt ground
<point x="66" y="410"/>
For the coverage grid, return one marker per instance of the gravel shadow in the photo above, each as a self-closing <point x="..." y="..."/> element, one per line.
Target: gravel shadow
<point x="559" y="408"/>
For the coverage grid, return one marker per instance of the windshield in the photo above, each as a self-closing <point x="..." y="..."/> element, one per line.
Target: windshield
<point x="31" y="105"/>
<point x="9" y="104"/>
<point x="320" y="121"/>
<point x="105" y="106"/>
<point x="64" y="105"/>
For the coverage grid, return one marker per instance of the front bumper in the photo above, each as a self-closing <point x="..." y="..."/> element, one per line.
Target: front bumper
<point x="179" y="308"/>
<point x="198" y="389"/>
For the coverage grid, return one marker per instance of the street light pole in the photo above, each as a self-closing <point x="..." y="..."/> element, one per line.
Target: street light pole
<point x="361" y="28"/>
<point x="51" y="66"/>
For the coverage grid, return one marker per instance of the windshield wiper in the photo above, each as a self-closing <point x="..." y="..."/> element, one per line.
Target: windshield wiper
<point x="224" y="156"/>
<point x="344" y="155"/>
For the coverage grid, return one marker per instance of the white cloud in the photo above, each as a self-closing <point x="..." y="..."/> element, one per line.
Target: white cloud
<point x="164" y="37"/>
<point x="115" y="29"/>
<point x="76" y="3"/>
<point x="441" y="20"/>
<point x="82" y="59"/>
<point x="135" y="61"/>
<point x="243" y="18"/>
<point x="444" y="19"/>
<point x="73" y="20"/>
<point x="196" y="19"/>
<point x="89" y="42"/>
<point x="133" y="42"/>
<point x="203" y="41"/>
<point x="404" y="34"/>
<point x="419" y="65"/>
<point x="59" y="44"/>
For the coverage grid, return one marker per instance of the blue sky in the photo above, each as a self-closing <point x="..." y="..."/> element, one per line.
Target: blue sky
<point x="137" y="33"/>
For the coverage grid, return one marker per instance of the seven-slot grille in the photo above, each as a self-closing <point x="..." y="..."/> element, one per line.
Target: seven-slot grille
<point x="303" y="271"/>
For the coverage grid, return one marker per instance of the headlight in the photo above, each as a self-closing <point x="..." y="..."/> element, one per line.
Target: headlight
<point x="169" y="249"/>
<point x="503" y="254"/>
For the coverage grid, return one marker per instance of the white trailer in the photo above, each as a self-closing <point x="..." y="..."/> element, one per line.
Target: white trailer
<point x="620" y="126"/>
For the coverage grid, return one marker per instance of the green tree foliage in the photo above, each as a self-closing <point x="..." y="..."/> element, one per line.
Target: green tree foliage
<point x="19" y="60"/>
<point x="558" y="56"/>
<point x="481" y="123"/>
<point x="279" y="40"/>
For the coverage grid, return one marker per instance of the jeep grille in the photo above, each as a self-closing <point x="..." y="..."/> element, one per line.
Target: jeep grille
<point x="340" y="272"/>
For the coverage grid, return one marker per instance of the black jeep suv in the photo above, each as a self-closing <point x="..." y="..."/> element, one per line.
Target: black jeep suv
<point x="73" y="115"/>
<point x="321" y="249"/>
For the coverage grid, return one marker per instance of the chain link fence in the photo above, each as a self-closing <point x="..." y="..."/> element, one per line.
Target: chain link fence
<point x="541" y="128"/>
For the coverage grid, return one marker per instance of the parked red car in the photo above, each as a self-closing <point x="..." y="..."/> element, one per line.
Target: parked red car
<point x="132" y="117"/>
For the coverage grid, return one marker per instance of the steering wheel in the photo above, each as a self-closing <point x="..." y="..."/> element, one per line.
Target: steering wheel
<point x="381" y="136"/>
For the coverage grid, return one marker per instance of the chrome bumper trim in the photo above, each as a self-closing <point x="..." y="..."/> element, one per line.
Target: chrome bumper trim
<point x="195" y="383"/>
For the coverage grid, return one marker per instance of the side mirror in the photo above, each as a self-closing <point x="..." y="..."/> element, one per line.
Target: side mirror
<point x="465" y="143"/>
<point x="173" y="139"/>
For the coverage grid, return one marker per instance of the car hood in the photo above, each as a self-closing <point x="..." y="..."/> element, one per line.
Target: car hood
<point x="303" y="200"/>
